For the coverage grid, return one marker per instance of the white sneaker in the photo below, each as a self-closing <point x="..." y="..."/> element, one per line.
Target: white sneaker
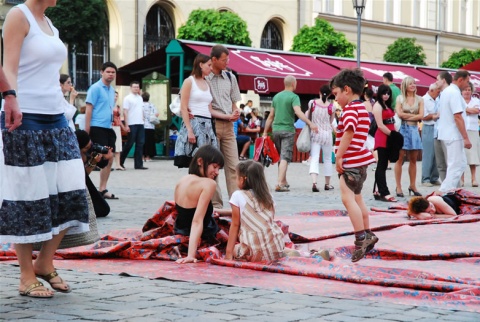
<point x="306" y="162"/>
<point x="427" y="184"/>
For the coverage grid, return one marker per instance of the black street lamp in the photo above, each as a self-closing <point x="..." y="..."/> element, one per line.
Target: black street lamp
<point x="359" y="5"/>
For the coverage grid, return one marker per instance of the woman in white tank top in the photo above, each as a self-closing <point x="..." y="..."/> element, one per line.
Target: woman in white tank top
<point x="195" y="107"/>
<point x="43" y="186"/>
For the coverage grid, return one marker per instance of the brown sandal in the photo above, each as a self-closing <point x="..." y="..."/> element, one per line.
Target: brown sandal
<point x="47" y="278"/>
<point x="32" y="287"/>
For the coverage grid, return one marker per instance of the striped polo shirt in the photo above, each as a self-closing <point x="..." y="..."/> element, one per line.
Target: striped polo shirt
<point x="355" y="116"/>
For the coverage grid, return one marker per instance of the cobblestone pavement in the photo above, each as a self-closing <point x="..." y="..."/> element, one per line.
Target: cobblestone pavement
<point x="121" y="298"/>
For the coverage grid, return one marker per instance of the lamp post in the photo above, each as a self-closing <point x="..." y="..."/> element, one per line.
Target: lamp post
<point x="359" y="5"/>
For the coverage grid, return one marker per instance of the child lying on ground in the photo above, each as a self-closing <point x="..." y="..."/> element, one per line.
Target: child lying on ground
<point x="433" y="206"/>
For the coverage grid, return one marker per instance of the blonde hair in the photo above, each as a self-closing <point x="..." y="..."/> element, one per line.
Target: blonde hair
<point x="405" y="83"/>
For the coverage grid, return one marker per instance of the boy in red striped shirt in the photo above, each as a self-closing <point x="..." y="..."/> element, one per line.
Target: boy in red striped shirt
<point x="352" y="158"/>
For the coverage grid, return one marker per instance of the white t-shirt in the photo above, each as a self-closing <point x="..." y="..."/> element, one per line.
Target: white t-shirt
<point x="451" y="102"/>
<point x="429" y="107"/>
<point x="247" y="110"/>
<point x="133" y="104"/>
<point x="472" y="119"/>
<point x="80" y="121"/>
<point x="70" y="111"/>
<point x="238" y="199"/>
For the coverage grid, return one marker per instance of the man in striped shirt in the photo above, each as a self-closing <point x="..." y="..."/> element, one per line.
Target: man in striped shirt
<point x="352" y="158"/>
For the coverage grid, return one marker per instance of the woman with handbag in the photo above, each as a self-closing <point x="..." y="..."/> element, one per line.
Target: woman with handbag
<point x="383" y="114"/>
<point x="150" y="115"/>
<point x="196" y="100"/>
<point x="320" y="112"/>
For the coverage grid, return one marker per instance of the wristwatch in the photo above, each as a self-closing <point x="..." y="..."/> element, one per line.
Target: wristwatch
<point x="9" y="92"/>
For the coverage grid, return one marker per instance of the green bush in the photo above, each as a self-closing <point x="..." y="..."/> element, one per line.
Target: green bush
<point x="405" y="51"/>
<point x="322" y="39"/>
<point x="213" y="26"/>
<point x="461" y="58"/>
<point x="79" y="21"/>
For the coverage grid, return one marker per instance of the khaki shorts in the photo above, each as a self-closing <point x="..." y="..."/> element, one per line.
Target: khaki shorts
<point x="354" y="178"/>
<point x="283" y="141"/>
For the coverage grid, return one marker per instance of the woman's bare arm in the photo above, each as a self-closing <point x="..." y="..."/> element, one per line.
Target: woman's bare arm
<point x="207" y="187"/>
<point x="441" y="206"/>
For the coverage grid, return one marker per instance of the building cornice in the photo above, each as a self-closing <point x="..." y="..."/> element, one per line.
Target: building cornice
<point x="387" y="28"/>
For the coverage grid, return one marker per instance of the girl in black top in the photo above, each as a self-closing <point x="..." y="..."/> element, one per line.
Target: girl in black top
<point x="193" y="195"/>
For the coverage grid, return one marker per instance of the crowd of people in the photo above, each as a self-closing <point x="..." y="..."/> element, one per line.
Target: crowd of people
<point x="38" y="205"/>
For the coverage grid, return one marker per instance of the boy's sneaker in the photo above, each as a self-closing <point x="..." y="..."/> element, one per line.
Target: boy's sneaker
<point x="361" y="248"/>
<point x="374" y="238"/>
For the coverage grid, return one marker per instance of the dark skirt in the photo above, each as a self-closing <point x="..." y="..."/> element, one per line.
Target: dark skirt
<point x="43" y="181"/>
<point x="204" y="133"/>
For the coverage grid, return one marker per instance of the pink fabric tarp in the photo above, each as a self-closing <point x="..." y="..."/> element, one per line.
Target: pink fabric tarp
<point x="431" y="262"/>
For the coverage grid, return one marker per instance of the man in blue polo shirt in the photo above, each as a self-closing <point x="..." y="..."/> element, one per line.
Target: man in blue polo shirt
<point x="99" y="116"/>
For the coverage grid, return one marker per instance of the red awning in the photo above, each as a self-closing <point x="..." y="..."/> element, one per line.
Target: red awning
<point x="264" y="72"/>
<point x="473" y="66"/>
<point x="373" y="72"/>
<point x="474" y="76"/>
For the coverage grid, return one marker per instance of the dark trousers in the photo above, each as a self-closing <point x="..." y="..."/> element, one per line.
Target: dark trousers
<point x="149" y="149"/>
<point x="100" y="205"/>
<point x="137" y="136"/>
<point x="380" y="177"/>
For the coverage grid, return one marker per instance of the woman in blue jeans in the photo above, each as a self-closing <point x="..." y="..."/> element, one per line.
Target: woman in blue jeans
<point x="409" y="107"/>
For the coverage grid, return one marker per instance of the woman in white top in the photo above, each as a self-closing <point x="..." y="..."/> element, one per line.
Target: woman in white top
<point x="43" y="187"/>
<point x="473" y="154"/>
<point x="195" y="107"/>
<point x="67" y="88"/>
<point x="149" y="149"/>
<point x="321" y="113"/>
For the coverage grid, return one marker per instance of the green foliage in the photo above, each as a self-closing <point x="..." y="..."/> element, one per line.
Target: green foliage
<point x="322" y="39"/>
<point x="461" y="58"/>
<point x="79" y="21"/>
<point x="213" y="26"/>
<point x="405" y="51"/>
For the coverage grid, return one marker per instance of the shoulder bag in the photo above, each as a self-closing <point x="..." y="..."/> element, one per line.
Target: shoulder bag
<point x="304" y="139"/>
<point x="175" y="106"/>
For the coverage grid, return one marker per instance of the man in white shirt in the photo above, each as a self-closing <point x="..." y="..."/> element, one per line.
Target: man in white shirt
<point x="429" y="166"/>
<point x="248" y="108"/>
<point x="134" y="125"/>
<point x="451" y="127"/>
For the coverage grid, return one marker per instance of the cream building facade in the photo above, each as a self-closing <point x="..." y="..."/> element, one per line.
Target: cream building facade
<point x="137" y="27"/>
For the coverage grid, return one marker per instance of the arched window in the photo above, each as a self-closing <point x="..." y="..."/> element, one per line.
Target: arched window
<point x="271" y="37"/>
<point x="158" y="29"/>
